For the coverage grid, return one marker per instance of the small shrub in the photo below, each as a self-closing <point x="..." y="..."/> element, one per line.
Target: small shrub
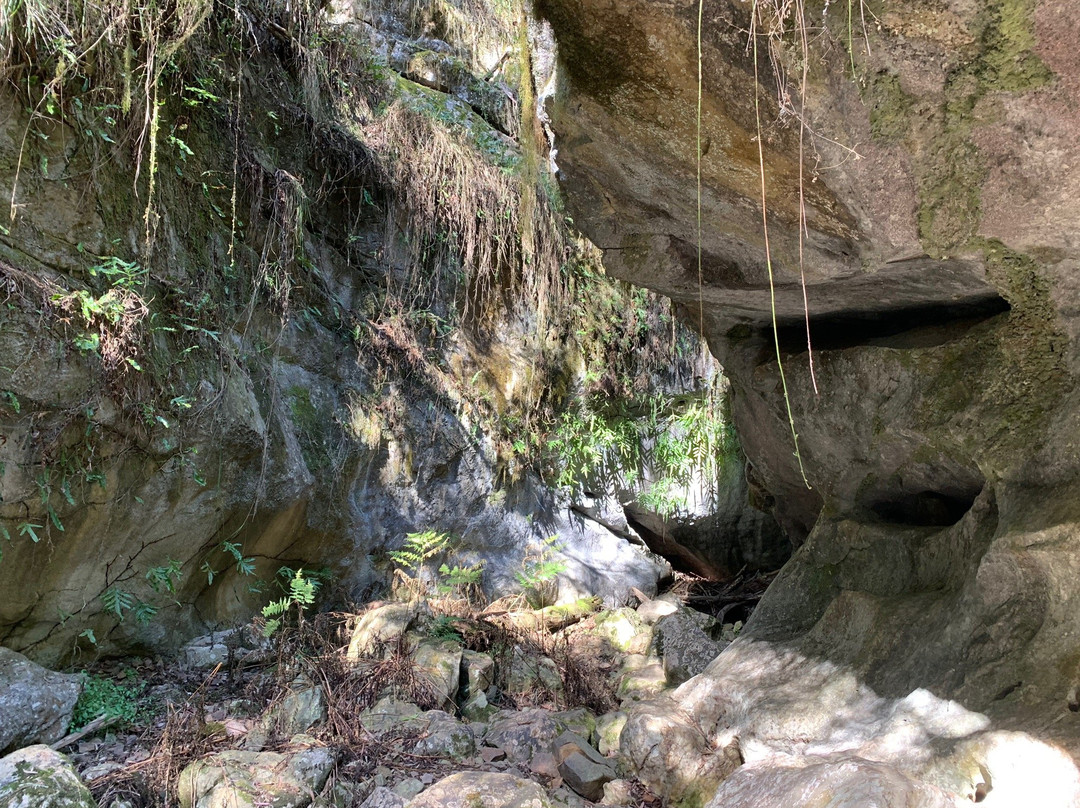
<point x="419" y="548"/>
<point x="301" y="594"/>
<point x="538" y="574"/>
<point x="102" y="696"/>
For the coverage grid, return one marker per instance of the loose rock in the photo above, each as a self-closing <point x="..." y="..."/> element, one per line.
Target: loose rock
<point x="482" y="790"/>
<point x="38" y="777"/>
<point x="35" y="703"/>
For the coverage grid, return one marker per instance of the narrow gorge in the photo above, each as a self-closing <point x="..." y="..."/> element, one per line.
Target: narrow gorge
<point x="486" y="402"/>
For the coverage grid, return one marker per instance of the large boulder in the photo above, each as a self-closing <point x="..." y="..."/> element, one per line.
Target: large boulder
<point x="482" y="790"/>
<point x="38" y="777"/>
<point x="238" y="779"/>
<point x="848" y="781"/>
<point x="774" y="709"/>
<point x="35" y="703"/>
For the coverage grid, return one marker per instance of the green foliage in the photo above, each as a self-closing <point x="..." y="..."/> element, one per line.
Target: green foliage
<point x="101" y="696"/>
<point x="300" y="594"/>
<point x="417" y="550"/>
<point x="461" y="581"/>
<point x="673" y="441"/>
<point x="539" y="573"/>
<point x="443" y="627"/>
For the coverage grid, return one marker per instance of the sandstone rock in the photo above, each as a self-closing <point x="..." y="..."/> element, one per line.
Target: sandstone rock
<point x="684" y="646"/>
<point x="609" y="728"/>
<point x="235" y="779"/>
<point x="931" y="506"/>
<point x="478" y="674"/>
<point x="445" y="737"/>
<point x="580" y="721"/>
<point x="640" y="677"/>
<point x="585" y="776"/>
<point x="582" y="768"/>
<point x="523" y="734"/>
<point x="389" y="714"/>
<point x="408" y="788"/>
<point x="383" y="797"/>
<point x="303" y="707"/>
<point x="438" y="662"/>
<point x="38" y="777"/>
<point x="845" y="782"/>
<point x="530" y="673"/>
<point x="382" y="625"/>
<point x="625" y="630"/>
<point x="664" y="744"/>
<point x="652" y="610"/>
<point x="617" y="792"/>
<point x="35" y="703"/>
<point x="482" y="790"/>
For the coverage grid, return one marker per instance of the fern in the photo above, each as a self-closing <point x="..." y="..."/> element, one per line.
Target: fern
<point x="301" y="594"/>
<point x="117" y="601"/>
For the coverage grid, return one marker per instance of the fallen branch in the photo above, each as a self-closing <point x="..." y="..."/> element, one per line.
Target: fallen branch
<point x="101" y="722"/>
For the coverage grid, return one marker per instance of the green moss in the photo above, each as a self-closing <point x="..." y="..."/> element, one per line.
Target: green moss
<point x="1008" y="35"/>
<point x="890" y="107"/>
<point x="312" y="429"/>
<point x="952" y="170"/>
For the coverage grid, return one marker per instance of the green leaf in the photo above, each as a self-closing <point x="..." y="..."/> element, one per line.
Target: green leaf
<point x="89" y="634"/>
<point x="27" y="529"/>
<point x="117" y="601"/>
<point x="55" y="519"/>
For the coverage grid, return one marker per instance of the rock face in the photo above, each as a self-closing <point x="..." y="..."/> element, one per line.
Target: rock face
<point x="38" y="777"/>
<point x="936" y="526"/>
<point x="799" y="725"/>
<point x="35" y="703"/>
<point x="206" y="402"/>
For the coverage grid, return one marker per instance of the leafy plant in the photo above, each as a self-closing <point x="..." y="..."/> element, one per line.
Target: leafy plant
<point x="539" y="573"/>
<point x="418" y="549"/>
<point x="300" y="594"/>
<point x="461" y="581"/>
<point x="102" y="696"/>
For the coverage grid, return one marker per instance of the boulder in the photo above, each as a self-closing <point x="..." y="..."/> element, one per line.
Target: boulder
<point x="38" y="777"/>
<point x="524" y="735"/>
<point x="532" y="674"/>
<point x="389" y="714"/>
<point x="618" y="792"/>
<point x="579" y="720"/>
<point x="437" y="734"/>
<point x="477" y="676"/>
<point x="35" y="703"/>
<point x="383" y="797"/>
<point x="684" y="646"/>
<point x="652" y="610"/>
<point x="482" y="790"/>
<point x="445" y="737"/>
<point x="665" y="746"/>
<point x="640" y="677"/>
<point x="845" y="782"/>
<point x="585" y="776"/>
<point x="303" y="707"/>
<point x="625" y="630"/>
<point x="381" y="626"/>
<point x="582" y="768"/>
<point x="242" y="779"/>
<point x="609" y="728"/>
<point x="438" y="664"/>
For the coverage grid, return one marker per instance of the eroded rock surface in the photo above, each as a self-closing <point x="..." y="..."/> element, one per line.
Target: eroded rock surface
<point x="937" y="517"/>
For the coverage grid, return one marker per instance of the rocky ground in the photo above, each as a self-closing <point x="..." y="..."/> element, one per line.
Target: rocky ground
<point x="404" y="702"/>
<point x="441" y="704"/>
